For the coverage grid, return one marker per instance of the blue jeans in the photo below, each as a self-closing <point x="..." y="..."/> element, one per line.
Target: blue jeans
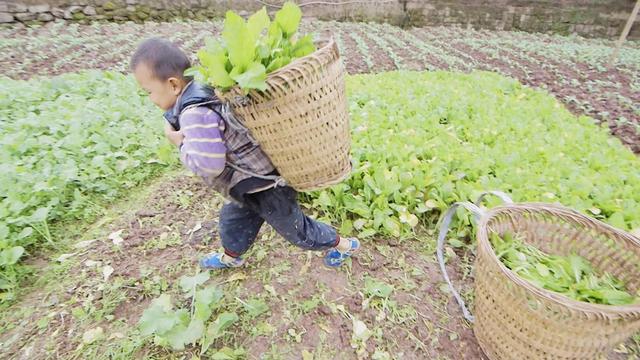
<point x="240" y="222"/>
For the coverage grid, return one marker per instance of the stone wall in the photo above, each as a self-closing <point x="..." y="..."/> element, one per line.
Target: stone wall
<point x="594" y="18"/>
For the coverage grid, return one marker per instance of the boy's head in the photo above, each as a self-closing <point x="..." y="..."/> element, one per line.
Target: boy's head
<point x="158" y="66"/>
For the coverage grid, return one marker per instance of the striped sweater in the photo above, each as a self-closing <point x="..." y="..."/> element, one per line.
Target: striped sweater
<point x="203" y="150"/>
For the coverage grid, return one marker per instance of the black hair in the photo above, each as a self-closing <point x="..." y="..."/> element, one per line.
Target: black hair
<point x="164" y="58"/>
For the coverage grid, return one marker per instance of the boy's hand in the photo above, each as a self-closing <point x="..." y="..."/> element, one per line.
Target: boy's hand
<point x="175" y="137"/>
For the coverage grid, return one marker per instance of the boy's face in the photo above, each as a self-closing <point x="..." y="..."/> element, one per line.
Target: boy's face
<point x="163" y="93"/>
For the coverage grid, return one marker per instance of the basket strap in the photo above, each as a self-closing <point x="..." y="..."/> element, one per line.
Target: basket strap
<point x="277" y="179"/>
<point x="504" y="197"/>
<point x="475" y="209"/>
<point x="232" y="120"/>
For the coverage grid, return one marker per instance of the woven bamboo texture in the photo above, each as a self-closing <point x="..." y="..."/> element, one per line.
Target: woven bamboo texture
<point x="517" y="320"/>
<point x="301" y="121"/>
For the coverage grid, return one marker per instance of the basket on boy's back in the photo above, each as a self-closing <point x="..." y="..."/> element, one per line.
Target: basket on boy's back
<point x="307" y="141"/>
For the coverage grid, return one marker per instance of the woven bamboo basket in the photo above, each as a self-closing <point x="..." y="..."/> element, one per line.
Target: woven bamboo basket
<point x="518" y="320"/>
<point x="301" y="121"/>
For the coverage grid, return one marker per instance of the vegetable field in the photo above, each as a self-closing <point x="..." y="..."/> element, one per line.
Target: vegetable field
<point x="101" y="230"/>
<point x="573" y="69"/>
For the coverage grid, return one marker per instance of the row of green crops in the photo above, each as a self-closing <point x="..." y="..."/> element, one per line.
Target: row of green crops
<point x="420" y="142"/>
<point x="67" y="143"/>
<point x="425" y="140"/>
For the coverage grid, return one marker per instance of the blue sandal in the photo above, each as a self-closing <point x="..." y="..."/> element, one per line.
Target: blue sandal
<point x="335" y="258"/>
<point x="214" y="261"/>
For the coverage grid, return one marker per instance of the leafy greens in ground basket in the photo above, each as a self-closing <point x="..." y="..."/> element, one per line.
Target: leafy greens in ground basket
<point x="251" y="49"/>
<point x="572" y="275"/>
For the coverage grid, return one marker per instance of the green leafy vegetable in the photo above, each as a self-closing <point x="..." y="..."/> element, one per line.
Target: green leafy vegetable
<point x="11" y="256"/>
<point x="239" y="40"/>
<point x="255" y="307"/>
<point x="377" y="288"/>
<point x="251" y="49"/>
<point x="252" y="78"/>
<point x="223" y="321"/>
<point x="71" y="144"/>
<point x="188" y="283"/>
<point x="422" y="140"/>
<point x="215" y="330"/>
<point x="288" y="18"/>
<point x="159" y="317"/>
<point x="572" y="275"/>
<point x="181" y="327"/>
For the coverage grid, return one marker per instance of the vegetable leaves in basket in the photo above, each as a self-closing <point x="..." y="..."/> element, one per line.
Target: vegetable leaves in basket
<point x="572" y="275"/>
<point x="249" y="50"/>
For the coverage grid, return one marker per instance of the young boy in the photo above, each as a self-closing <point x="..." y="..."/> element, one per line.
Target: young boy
<point x="223" y="153"/>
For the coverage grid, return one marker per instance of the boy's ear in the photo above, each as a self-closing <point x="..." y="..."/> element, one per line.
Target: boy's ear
<point x="176" y="85"/>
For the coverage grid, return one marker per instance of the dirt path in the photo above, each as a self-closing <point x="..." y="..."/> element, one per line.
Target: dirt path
<point x="310" y="307"/>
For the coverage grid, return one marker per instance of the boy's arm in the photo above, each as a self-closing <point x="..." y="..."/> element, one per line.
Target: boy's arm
<point x="202" y="149"/>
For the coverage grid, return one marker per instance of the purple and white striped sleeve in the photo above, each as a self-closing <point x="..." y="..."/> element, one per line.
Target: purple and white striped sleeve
<point x="203" y="151"/>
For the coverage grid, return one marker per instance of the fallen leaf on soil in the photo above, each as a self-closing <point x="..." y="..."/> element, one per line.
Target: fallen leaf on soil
<point x="116" y="237"/>
<point x="307" y="264"/>
<point x="106" y="272"/>
<point x="271" y="290"/>
<point x="83" y="244"/>
<point x="196" y="228"/>
<point x="147" y="213"/>
<point x="360" y="331"/>
<point x="116" y="335"/>
<point x="64" y="257"/>
<point x="91" y="336"/>
<point x="325" y="328"/>
<point x="91" y="263"/>
<point x="235" y="277"/>
<point x="307" y="355"/>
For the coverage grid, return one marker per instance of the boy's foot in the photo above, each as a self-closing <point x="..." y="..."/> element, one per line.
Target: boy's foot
<point x="335" y="257"/>
<point x="220" y="261"/>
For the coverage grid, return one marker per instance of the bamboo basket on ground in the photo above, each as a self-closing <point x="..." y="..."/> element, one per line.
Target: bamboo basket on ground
<point x="518" y="320"/>
<point x="301" y="121"/>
